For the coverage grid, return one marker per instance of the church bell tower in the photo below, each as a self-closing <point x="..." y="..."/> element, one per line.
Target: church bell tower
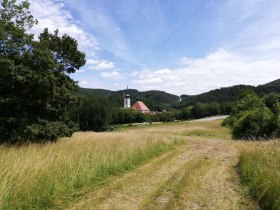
<point x="126" y="100"/>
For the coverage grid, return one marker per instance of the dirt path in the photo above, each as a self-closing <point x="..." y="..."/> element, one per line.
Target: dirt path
<point x="198" y="175"/>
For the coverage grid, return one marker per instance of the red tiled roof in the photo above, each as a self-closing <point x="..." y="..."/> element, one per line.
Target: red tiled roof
<point x="139" y="105"/>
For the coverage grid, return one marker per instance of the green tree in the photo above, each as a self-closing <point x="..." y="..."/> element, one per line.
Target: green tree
<point x="93" y="114"/>
<point x="247" y="100"/>
<point x="272" y="101"/>
<point x="35" y="85"/>
<point x="122" y="116"/>
<point x="199" y="110"/>
<point x="213" y="108"/>
<point x="252" y="119"/>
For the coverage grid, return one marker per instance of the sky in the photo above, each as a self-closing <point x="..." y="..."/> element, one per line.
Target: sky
<point x="178" y="46"/>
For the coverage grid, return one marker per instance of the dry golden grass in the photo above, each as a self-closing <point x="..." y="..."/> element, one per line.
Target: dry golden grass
<point x="200" y="175"/>
<point x="260" y="171"/>
<point x="50" y="176"/>
<point x="87" y="171"/>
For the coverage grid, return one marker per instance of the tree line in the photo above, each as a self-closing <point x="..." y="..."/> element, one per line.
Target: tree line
<point x="98" y="114"/>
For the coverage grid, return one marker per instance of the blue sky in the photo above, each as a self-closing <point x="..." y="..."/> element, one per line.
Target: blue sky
<point x="169" y="45"/>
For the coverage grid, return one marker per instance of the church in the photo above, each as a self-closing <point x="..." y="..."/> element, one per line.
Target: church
<point x="139" y="105"/>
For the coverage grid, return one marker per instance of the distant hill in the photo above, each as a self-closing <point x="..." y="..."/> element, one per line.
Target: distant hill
<point x="159" y="100"/>
<point x="221" y="95"/>
<point x="154" y="99"/>
<point x="94" y="92"/>
<point x="229" y="94"/>
<point x="270" y="87"/>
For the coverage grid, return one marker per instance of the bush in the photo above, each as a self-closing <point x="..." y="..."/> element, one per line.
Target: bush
<point x="166" y="117"/>
<point x="254" y="124"/>
<point x="252" y="119"/>
<point x="46" y="130"/>
<point x="123" y="116"/>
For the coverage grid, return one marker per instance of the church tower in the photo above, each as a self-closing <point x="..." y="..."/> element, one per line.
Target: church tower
<point x="126" y="100"/>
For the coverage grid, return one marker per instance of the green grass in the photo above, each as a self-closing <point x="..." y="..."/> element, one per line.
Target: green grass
<point x="259" y="168"/>
<point x="54" y="175"/>
<point x="213" y="131"/>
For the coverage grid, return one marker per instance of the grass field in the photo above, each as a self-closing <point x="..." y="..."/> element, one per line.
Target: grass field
<point x="52" y="175"/>
<point x="180" y="165"/>
<point x="260" y="170"/>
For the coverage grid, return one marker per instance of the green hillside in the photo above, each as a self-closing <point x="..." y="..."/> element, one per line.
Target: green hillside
<point x="270" y="87"/>
<point x="159" y="100"/>
<point x="154" y="99"/>
<point x="221" y="95"/>
<point x="228" y="94"/>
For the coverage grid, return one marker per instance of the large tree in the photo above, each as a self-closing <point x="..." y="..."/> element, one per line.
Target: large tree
<point x="35" y="88"/>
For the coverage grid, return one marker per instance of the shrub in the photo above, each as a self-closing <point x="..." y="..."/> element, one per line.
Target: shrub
<point x="254" y="124"/>
<point x="247" y="102"/>
<point x="46" y="130"/>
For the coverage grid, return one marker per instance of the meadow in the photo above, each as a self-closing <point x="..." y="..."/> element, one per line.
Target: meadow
<point x="51" y="175"/>
<point x="160" y="166"/>
<point x="259" y="167"/>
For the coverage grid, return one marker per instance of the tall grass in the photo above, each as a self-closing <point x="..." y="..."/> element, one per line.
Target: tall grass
<point x="260" y="170"/>
<point x="211" y="130"/>
<point x="52" y="175"/>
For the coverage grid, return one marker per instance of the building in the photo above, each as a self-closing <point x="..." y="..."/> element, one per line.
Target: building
<point x="126" y="101"/>
<point x="141" y="107"/>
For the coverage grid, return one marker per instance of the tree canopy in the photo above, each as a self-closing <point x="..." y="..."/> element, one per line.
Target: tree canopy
<point x="35" y="85"/>
<point x="254" y="117"/>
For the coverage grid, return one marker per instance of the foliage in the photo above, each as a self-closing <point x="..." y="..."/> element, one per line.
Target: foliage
<point x="272" y="101"/>
<point x="155" y="100"/>
<point x="252" y="119"/>
<point x="228" y="94"/>
<point x="164" y="117"/>
<point x="124" y="116"/>
<point x="222" y="95"/>
<point x="49" y="130"/>
<point x="226" y="108"/>
<point x="35" y="86"/>
<point x="93" y="114"/>
<point x="185" y="113"/>
<point x="254" y="124"/>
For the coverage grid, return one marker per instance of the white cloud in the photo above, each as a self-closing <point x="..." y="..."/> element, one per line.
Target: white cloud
<point x="218" y="69"/>
<point x="256" y="27"/>
<point x="98" y="19"/>
<point x="83" y="82"/>
<point x="100" y="64"/>
<point x="111" y="75"/>
<point x="52" y="14"/>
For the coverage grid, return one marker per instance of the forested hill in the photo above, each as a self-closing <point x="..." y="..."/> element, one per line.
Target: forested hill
<point x="273" y="86"/>
<point x="154" y="99"/>
<point x="228" y="94"/>
<point x="158" y="100"/>
<point x="221" y="95"/>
